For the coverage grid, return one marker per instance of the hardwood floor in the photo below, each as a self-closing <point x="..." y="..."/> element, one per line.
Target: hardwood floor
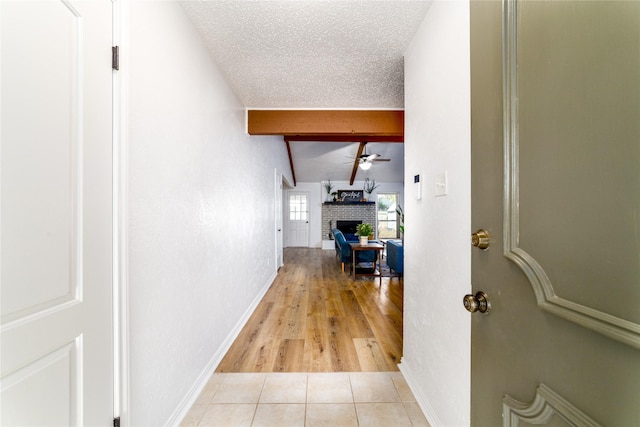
<point x="315" y="318"/>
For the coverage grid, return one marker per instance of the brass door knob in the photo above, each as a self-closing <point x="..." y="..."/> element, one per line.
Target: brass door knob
<point x="478" y="302"/>
<point x="480" y="239"/>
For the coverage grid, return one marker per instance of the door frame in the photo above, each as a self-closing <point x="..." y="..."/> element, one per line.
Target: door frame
<point x="120" y="78"/>
<point x="279" y="219"/>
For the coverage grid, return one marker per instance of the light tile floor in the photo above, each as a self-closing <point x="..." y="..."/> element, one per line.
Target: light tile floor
<point x="360" y="399"/>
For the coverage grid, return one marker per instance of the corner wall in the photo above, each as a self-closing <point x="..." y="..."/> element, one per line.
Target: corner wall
<point x="199" y="189"/>
<point x="436" y="357"/>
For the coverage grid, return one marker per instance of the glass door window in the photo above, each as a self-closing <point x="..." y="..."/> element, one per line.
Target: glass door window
<point x="298" y="207"/>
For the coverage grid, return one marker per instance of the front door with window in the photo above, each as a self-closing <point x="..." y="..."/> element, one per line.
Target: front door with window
<point x="298" y="219"/>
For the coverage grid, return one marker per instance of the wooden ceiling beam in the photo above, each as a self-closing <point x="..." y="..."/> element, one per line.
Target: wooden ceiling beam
<point x="385" y="123"/>
<point x="293" y="172"/>
<point x="356" y="163"/>
<point x="345" y="138"/>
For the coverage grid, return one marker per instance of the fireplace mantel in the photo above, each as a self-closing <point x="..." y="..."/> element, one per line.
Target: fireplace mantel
<point x="349" y="203"/>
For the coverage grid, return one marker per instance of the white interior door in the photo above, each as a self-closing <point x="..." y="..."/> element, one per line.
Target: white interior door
<point x="555" y="182"/>
<point x="56" y="218"/>
<point x="298" y="219"/>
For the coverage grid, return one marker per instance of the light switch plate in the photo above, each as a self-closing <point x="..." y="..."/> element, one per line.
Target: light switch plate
<point x="441" y="184"/>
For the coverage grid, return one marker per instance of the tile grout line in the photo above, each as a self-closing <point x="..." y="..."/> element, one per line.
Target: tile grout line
<point x="353" y="400"/>
<point x="306" y="400"/>
<point x="255" y="410"/>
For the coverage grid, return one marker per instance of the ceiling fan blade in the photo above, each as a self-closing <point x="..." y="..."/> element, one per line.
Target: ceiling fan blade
<point x="380" y="160"/>
<point x="371" y="157"/>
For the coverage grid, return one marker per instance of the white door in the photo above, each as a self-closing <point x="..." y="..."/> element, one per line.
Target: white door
<point x="556" y="183"/>
<point x="298" y="224"/>
<point x="56" y="226"/>
<point x="278" y="220"/>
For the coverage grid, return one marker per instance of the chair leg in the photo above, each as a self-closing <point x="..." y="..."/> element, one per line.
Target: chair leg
<point x="343" y="267"/>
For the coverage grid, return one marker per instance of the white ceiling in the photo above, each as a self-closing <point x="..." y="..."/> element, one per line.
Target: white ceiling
<point x="320" y="54"/>
<point x="334" y="161"/>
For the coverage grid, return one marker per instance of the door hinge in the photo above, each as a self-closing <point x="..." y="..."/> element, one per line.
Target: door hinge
<point x="115" y="58"/>
<point x="116" y="422"/>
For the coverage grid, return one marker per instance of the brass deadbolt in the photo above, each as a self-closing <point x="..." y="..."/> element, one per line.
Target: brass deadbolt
<point x="480" y="239"/>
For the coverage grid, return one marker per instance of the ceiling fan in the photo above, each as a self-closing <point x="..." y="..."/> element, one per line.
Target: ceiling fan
<point x="365" y="161"/>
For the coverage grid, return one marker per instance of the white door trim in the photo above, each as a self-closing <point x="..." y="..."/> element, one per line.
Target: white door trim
<point x="278" y="220"/>
<point x="121" y="379"/>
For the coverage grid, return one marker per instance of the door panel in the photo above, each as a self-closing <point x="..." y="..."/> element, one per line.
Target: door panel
<point x="43" y="158"/>
<point x="578" y="104"/>
<point x="49" y="382"/>
<point x="564" y="198"/>
<point x="56" y="213"/>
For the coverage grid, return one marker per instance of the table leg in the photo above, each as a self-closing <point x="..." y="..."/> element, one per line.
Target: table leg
<point x="380" y="271"/>
<point x="353" y="263"/>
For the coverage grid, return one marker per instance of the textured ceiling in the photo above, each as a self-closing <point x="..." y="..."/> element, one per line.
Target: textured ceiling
<point x="322" y="54"/>
<point x="310" y="53"/>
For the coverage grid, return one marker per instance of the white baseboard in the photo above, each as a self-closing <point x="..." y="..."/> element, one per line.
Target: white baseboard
<point x="192" y="395"/>
<point x="328" y="244"/>
<point x="427" y="409"/>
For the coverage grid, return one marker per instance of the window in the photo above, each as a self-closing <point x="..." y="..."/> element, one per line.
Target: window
<point x="387" y="216"/>
<point x="298" y="209"/>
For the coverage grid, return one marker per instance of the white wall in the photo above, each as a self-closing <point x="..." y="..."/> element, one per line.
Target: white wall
<point x="200" y="189"/>
<point x="436" y="357"/>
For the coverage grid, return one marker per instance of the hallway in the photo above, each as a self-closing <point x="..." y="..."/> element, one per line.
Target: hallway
<point x="315" y="318"/>
<point x="321" y="349"/>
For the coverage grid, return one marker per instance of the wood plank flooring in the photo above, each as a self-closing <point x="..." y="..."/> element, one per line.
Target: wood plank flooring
<point x="315" y="318"/>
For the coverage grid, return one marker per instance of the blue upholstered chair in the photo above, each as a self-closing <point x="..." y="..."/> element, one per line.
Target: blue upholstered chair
<point x="343" y="249"/>
<point x="395" y="256"/>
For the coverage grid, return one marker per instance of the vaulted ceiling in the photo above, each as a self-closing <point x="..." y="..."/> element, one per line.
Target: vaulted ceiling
<point x="315" y="54"/>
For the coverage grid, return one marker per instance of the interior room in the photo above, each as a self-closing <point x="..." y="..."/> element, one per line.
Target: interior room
<point x="187" y="189"/>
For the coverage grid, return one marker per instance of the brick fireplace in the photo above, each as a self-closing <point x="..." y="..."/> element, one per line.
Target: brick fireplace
<point x="334" y="212"/>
